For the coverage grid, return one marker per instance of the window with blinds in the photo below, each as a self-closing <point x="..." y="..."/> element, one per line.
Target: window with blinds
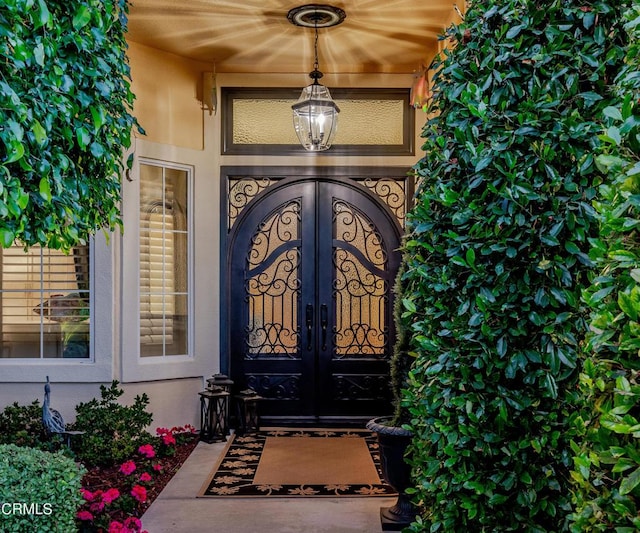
<point x="45" y="303"/>
<point x="164" y="261"/>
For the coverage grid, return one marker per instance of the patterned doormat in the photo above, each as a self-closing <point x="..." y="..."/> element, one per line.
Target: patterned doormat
<point x="295" y="462"/>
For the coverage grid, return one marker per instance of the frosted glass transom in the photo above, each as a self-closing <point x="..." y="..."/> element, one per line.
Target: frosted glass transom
<point x="361" y="122"/>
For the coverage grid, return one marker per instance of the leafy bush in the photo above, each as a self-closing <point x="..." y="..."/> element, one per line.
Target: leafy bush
<point x="112" y="431"/>
<point x="403" y="357"/>
<point x="22" y="425"/>
<point x="42" y="488"/>
<point x="65" y="104"/>
<point x="496" y="256"/>
<point x="607" y="461"/>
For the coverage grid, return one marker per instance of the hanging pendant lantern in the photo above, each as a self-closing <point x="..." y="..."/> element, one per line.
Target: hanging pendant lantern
<point x="315" y="117"/>
<point x="315" y="114"/>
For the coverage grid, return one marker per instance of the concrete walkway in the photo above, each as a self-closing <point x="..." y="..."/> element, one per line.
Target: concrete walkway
<point x="177" y="510"/>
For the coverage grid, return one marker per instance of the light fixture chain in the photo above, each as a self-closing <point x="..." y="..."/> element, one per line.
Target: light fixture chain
<point x="316" y="65"/>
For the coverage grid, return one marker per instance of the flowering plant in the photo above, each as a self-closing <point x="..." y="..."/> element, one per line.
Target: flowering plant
<point x="139" y="493"/>
<point x="173" y="436"/>
<point x="130" y="525"/>
<point x="147" y="450"/>
<point x="117" y="509"/>
<point x="127" y="468"/>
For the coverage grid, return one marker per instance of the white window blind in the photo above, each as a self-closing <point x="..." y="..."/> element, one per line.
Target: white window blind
<point x="45" y="303"/>
<point x="163" y="261"/>
<point x="157" y="298"/>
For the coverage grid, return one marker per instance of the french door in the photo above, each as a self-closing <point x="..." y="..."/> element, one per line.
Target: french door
<point x="311" y="270"/>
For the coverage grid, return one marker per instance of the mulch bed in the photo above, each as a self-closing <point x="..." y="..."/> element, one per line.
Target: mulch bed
<point x="106" y="478"/>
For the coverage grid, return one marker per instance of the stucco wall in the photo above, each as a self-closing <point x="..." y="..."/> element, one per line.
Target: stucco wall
<point x="168" y="91"/>
<point x="172" y="402"/>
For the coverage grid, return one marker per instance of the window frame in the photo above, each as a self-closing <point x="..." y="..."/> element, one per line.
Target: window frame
<point x="163" y="294"/>
<point x="136" y="367"/>
<point x="229" y="94"/>
<point x="98" y="366"/>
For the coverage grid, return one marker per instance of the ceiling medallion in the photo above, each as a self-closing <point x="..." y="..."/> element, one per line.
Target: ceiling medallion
<point x="316" y="16"/>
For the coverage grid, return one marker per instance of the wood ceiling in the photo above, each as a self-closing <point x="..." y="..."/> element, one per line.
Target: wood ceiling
<point x="254" y="36"/>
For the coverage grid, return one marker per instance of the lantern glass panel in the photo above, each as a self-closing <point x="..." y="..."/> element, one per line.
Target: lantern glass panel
<point x="315" y="118"/>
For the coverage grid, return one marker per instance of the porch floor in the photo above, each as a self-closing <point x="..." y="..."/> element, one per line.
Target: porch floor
<point x="178" y="510"/>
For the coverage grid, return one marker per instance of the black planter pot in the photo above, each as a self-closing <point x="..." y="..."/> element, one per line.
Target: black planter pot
<point x="393" y="442"/>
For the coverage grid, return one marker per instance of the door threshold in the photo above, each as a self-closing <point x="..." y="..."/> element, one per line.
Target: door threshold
<point x="329" y="422"/>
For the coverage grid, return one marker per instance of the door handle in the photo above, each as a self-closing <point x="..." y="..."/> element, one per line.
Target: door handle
<point x="323" y="324"/>
<point x="309" y="325"/>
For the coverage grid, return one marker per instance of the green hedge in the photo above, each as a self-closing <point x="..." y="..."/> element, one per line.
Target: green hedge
<point x="607" y="450"/>
<point x="497" y="256"/>
<point x="39" y="491"/>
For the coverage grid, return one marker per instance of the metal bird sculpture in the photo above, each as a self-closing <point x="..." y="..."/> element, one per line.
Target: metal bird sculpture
<point x="51" y="419"/>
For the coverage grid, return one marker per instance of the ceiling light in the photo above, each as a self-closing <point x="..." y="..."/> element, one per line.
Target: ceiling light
<point x="315" y="114"/>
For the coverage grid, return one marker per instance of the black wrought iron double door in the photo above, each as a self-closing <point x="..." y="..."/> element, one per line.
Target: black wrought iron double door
<point x="312" y="266"/>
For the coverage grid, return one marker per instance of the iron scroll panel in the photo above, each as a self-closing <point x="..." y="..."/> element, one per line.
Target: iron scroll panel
<point x="394" y="192"/>
<point x="360" y="285"/>
<point x="272" y="285"/>
<point x="267" y="283"/>
<point x="362" y="248"/>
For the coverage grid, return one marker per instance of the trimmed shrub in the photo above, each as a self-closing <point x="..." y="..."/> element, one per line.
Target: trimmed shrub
<point x="22" y="425"/>
<point x="113" y="432"/>
<point x="497" y="255"/>
<point x="607" y="454"/>
<point x="40" y="491"/>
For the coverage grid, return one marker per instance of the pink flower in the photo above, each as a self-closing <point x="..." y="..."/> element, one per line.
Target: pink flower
<point x="110" y="495"/>
<point x="145" y="476"/>
<point x="133" y="523"/>
<point x="127" y="468"/>
<point x="116" y="527"/>
<point x="168" y="439"/>
<point x="139" y="493"/>
<point x="96" y="498"/>
<point x="162" y="431"/>
<point x="87" y="495"/>
<point x="97" y="507"/>
<point x="187" y="428"/>
<point x="84" y="515"/>
<point x="147" y="450"/>
<point x="157" y="467"/>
